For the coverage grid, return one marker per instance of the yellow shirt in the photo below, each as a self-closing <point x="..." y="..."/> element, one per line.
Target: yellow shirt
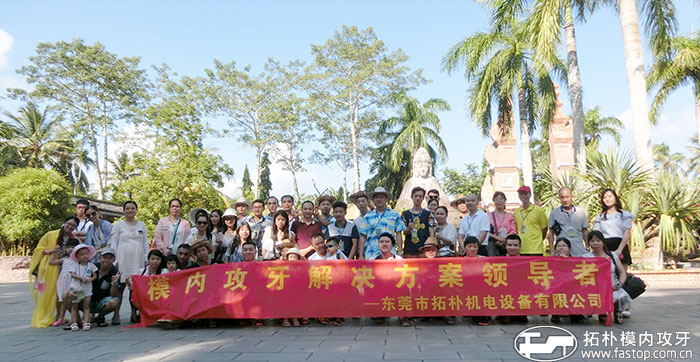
<point x="530" y="223"/>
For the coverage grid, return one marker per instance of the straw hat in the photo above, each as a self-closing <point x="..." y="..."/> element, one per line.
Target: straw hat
<point x="286" y="244"/>
<point x="192" y="215"/>
<point x="354" y="196"/>
<point x="242" y="201"/>
<point x="430" y="241"/>
<point x="457" y="199"/>
<point x="379" y="190"/>
<point x="322" y="198"/>
<point x="293" y="251"/>
<point x="201" y="243"/>
<point x="91" y="252"/>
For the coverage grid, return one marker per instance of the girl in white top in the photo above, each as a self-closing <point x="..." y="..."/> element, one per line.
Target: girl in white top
<point x="275" y="234"/>
<point x="445" y="233"/>
<point x="616" y="225"/>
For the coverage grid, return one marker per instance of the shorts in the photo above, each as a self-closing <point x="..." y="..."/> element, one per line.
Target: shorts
<point x="97" y="306"/>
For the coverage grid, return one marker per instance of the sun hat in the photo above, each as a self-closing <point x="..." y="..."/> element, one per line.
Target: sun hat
<point x="91" y="252"/>
<point x="192" y="215"/>
<point x="430" y="241"/>
<point x="242" y="201"/>
<point x="377" y="191"/>
<point x="293" y="251"/>
<point x="201" y="243"/>
<point x="459" y="197"/>
<point x="354" y="196"/>
<point x="229" y="212"/>
<point x="322" y="198"/>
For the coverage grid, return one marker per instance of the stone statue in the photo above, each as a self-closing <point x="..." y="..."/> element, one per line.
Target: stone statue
<point x="422" y="175"/>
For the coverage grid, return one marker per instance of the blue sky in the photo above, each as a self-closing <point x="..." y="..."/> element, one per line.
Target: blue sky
<point x="188" y="35"/>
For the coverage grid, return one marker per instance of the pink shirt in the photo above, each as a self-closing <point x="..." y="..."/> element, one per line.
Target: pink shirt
<point x="503" y="221"/>
<point x="163" y="238"/>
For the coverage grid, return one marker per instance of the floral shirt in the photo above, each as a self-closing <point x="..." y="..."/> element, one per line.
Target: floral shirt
<point x="375" y="224"/>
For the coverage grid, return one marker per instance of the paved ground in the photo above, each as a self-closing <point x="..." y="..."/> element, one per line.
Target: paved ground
<point x="658" y="310"/>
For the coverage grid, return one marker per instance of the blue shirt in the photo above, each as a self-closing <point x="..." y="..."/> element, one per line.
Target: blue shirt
<point x="375" y="224"/>
<point x="99" y="239"/>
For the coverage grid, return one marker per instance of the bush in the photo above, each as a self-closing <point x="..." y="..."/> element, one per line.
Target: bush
<point x="32" y="202"/>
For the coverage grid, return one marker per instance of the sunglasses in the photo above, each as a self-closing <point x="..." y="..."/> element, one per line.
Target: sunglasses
<point x="332" y="245"/>
<point x="433" y="197"/>
<point x="201" y="222"/>
<point x="91" y="214"/>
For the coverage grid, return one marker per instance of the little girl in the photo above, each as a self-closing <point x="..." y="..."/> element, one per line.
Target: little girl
<point x="171" y="263"/>
<point x="64" y="279"/>
<point x="82" y="275"/>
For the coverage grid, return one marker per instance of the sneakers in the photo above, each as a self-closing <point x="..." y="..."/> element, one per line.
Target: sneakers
<point x="626" y="313"/>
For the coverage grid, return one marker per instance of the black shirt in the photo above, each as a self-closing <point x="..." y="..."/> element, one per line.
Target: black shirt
<point x="102" y="284"/>
<point x="421" y="222"/>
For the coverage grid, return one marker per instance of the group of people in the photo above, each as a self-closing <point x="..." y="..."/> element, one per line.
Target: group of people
<point x="88" y="263"/>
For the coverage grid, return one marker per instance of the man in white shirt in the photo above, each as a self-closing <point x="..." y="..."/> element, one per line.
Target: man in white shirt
<point x="476" y="223"/>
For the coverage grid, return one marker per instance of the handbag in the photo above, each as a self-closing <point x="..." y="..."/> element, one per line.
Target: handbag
<point x="500" y="248"/>
<point x="634" y="286"/>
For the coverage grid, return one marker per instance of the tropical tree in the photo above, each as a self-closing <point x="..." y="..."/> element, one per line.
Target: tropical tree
<point x="247" y="185"/>
<point x="693" y="161"/>
<point x="596" y="126"/>
<point x="414" y="127"/>
<point x="667" y="161"/>
<point x="353" y="77"/>
<point x="95" y="87"/>
<point x="660" y="25"/>
<point x="39" y="137"/>
<point x="500" y="65"/>
<point x="680" y="68"/>
<point x="265" y="184"/>
<point x="545" y="22"/>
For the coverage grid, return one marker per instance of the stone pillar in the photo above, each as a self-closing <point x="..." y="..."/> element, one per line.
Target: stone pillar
<point x="561" y="139"/>
<point x="504" y="173"/>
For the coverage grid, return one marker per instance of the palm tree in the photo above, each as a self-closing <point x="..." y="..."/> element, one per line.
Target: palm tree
<point x="500" y="64"/>
<point x="122" y="168"/>
<point x="660" y="25"/>
<point x="680" y="68"/>
<point x="416" y="124"/>
<point x="41" y="140"/>
<point x="667" y="161"/>
<point x="596" y="127"/>
<point x="693" y="162"/>
<point x="545" y="22"/>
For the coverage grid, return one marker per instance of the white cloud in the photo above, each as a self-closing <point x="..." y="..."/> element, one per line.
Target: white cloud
<point x="6" y="43"/>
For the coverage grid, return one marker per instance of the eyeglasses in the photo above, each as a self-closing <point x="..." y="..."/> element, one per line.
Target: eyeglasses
<point x="201" y="222"/>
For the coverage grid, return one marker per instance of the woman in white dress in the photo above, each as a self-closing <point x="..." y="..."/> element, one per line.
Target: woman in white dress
<point x="130" y="239"/>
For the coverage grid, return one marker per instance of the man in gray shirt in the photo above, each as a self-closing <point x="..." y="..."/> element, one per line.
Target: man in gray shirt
<point x="568" y="221"/>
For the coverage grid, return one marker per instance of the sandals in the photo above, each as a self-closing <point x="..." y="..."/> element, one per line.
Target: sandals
<point x="86" y="326"/>
<point x="259" y="323"/>
<point x="619" y="318"/>
<point x="57" y="323"/>
<point x="305" y="321"/>
<point x="323" y="321"/>
<point x="285" y="323"/>
<point x="74" y="327"/>
<point x="405" y="322"/>
<point x="295" y="322"/>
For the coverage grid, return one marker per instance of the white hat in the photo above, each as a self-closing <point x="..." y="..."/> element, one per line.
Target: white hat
<point x="192" y="215"/>
<point x="379" y="190"/>
<point x="242" y="201"/>
<point x="229" y="212"/>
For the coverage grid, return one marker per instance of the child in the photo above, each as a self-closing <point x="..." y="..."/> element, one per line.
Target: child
<point x="513" y="245"/>
<point x="332" y="251"/>
<point x="171" y="263"/>
<point x="82" y="275"/>
<point x="63" y="276"/>
<point x="292" y="254"/>
<point x="429" y="249"/>
<point x="471" y="245"/>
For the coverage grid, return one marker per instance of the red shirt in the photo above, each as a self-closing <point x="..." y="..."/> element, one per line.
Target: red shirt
<point x="303" y="232"/>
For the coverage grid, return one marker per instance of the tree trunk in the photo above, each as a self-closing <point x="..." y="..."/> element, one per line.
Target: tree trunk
<point x="345" y="182"/>
<point x="697" y="106"/>
<point x="355" y="146"/>
<point x="637" y="84"/>
<point x="93" y="140"/>
<point x="103" y="181"/>
<point x="525" y="144"/>
<point x="258" y="155"/>
<point x="575" y="91"/>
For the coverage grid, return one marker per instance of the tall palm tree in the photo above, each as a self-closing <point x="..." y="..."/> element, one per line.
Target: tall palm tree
<point x="545" y="21"/>
<point x="597" y="126"/>
<point x="41" y="140"/>
<point x="681" y="67"/>
<point x="499" y="65"/>
<point x="122" y="168"/>
<point x="693" y="162"/>
<point x="414" y="127"/>
<point x="660" y="24"/>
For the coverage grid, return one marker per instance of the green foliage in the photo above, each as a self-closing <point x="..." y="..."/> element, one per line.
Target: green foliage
<point x="595" y="126"/>
<point x="181" y="167"/>
<point x="353" y="77"/>
<point x="467" y="181"/>
<point x="416" y="124"/>
<point x="247" y="185"/>
<point x="265" y="184"/>
<point x="32" y="202"/>
<point x="93" y="86"/>
<point x="385" y="176"/>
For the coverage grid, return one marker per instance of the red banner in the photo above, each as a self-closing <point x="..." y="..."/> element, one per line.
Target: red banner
<point x="357" y="288"/>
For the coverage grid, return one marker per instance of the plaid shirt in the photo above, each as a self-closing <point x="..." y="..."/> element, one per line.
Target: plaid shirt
<point x="375" y="224"/>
